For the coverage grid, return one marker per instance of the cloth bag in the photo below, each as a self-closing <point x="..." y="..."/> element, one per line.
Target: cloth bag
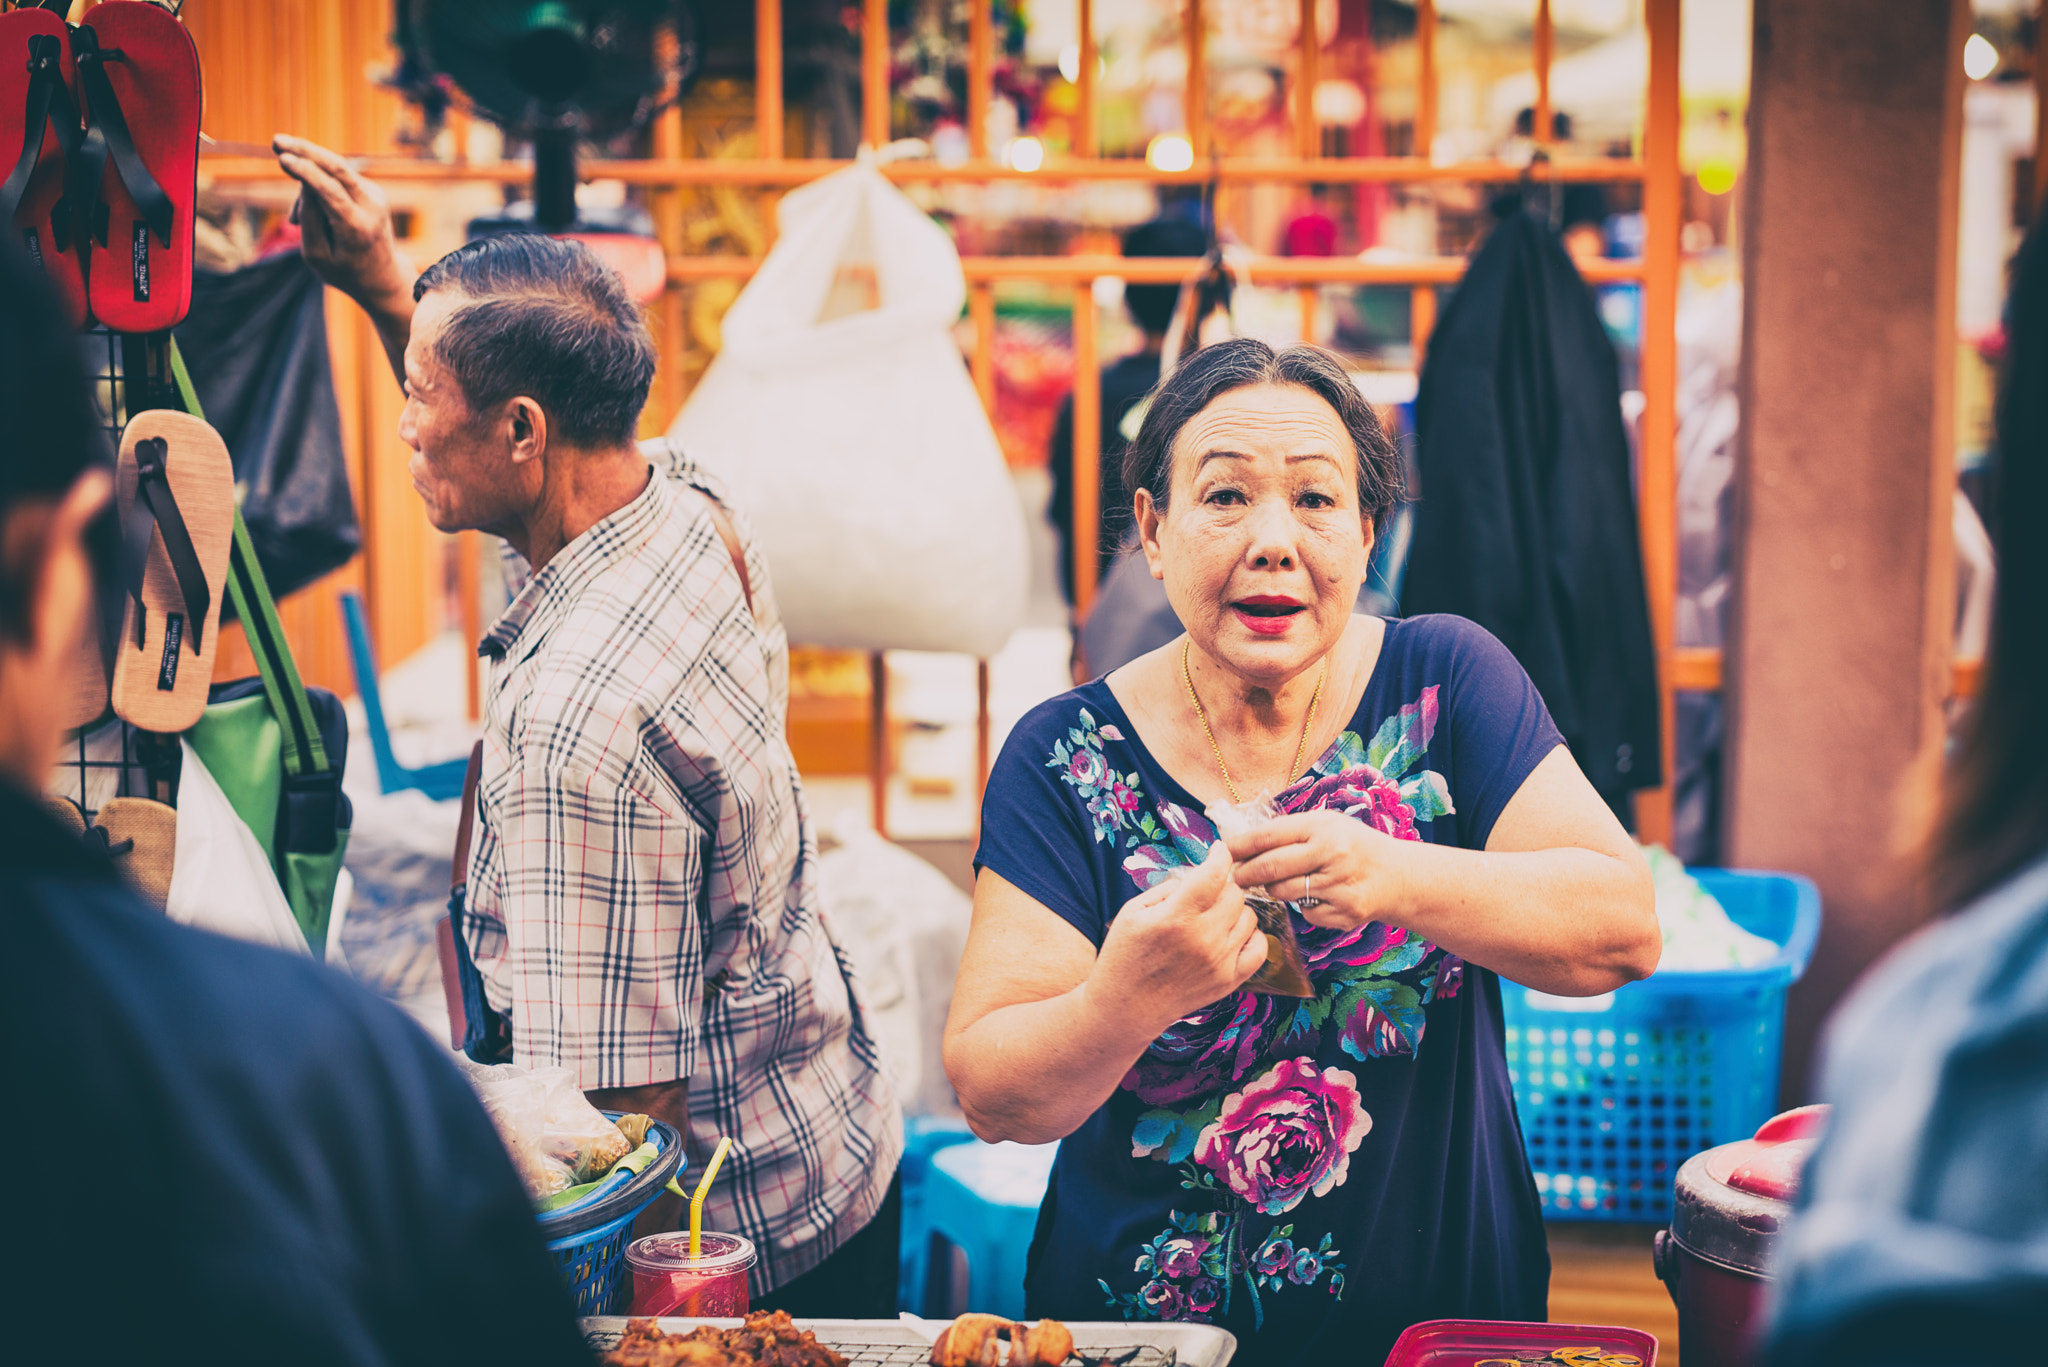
<point x="856" y="443"/>
<point x="222" y="880"/>
<point x="257" y="340"/>
<point x="274" y="747"/>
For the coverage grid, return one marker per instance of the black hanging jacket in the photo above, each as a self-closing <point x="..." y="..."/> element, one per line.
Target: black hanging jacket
<point x="1526" y="522"/>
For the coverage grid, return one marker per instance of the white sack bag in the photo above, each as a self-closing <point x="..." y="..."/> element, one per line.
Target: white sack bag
<point x="857" y="446"/>
<point x="221" y="881"/>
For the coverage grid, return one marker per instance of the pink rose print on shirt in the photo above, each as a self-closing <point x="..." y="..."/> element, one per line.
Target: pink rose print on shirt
<point x="1363" y="794"/>
<point x="1290" y="1133"/>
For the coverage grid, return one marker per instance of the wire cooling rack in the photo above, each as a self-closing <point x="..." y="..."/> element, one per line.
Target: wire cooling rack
<point x="109" y="758"/>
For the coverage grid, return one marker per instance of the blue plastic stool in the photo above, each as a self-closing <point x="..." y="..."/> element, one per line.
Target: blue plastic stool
<point x="437" y="781"/>
<point x="923" y="1136"/>
<point x="983" y="1199"/>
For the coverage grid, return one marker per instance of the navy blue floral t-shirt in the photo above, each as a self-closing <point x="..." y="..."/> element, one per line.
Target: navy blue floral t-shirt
<point x="1313" y="1174"/>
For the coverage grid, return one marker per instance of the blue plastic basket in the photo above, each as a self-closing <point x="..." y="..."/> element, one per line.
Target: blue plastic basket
<point x="1616" y="1091"/>
<point x="592" y="1258"/>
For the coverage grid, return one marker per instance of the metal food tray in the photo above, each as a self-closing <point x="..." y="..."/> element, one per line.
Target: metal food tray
<point x="892" y="1343"/>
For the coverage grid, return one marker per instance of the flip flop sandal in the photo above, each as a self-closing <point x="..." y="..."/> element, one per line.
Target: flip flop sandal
<point x="175" y="488"/>
<point x="67" y="814"/>
<point x="40" y="116"/>
<point x="86" y="700"/>
<point x="138" y="72"/>
<point x="143" y="838"/>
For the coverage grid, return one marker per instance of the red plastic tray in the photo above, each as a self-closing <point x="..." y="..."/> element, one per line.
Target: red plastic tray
<point x="1501" y="1343"/>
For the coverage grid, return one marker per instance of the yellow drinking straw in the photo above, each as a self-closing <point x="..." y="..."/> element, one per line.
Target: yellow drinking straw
<point x="703" y="1190"/>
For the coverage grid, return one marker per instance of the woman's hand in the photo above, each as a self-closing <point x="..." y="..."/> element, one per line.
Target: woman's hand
<point x="1342" y="871"/>
<point x="1179" y="946"/>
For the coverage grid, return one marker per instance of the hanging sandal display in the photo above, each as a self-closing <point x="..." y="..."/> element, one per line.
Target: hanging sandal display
<point x="39" y="115"/>
<point x="135" y="176"/>
<point x="175" y="489"/>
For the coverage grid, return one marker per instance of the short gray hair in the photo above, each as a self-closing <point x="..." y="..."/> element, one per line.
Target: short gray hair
<point x="545" y="318"/>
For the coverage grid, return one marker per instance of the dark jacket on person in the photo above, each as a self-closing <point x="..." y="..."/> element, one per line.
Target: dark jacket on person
<point x="222" y="1153"/>
<point x="1526" y="521"/>
<point x="1123" y="384"/>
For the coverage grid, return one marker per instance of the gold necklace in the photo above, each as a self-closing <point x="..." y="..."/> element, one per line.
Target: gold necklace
<point x="1300" y="749"/>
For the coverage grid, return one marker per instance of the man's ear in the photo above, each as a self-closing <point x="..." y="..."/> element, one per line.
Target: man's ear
<point x="1148" y="516"/>
<point x="528" y="428"/>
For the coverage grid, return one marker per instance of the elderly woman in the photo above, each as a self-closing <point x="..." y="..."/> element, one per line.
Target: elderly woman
<point x="1314" y="1172"/>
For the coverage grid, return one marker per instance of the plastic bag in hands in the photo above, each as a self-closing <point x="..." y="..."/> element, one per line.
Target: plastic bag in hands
<point x="556" y="1138"/>
<point x="1284" y="974"/>
<point x="852" y="439"/>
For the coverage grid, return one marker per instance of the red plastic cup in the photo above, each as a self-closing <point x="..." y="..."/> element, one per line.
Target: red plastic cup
<point x="668" y="1281"/>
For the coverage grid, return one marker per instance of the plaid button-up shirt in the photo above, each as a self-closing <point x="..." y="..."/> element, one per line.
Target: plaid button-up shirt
<point x="643" y="896"/>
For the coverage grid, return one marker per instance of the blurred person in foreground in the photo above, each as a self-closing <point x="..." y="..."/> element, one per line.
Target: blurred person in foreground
<point x="1123" y="384"/>
<point x="1921" y="1229"/>
<point x="221" y="1153"/>
<point x="643" y="899"/>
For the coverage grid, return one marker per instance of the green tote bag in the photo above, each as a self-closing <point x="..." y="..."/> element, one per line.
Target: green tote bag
<point x="274" y="746"/>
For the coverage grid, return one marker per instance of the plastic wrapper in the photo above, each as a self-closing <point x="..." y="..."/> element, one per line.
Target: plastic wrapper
<point x="1283" y="974"/>
<point x="557" y="1139"/>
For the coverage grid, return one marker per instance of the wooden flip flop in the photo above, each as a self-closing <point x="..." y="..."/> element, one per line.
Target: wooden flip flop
<point x="39" y="115"/>
<point x="67" y="814"/>
<point x="149" y="831"/>
<point x="137" y="168"/>
<point x="85" y="700"/>
<point x="175" y="488"/>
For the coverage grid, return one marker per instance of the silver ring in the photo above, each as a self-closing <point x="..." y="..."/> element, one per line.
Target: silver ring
<point x="1307" y="898"/>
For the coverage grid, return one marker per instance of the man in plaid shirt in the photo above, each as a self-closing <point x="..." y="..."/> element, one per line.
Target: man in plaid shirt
<point x="642" y="891"/>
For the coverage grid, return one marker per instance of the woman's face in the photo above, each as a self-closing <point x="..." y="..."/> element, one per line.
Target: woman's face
<point x="1262" y="546"/>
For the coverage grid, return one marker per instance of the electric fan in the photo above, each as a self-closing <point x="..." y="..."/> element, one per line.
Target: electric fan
<point x="557" y="72"/>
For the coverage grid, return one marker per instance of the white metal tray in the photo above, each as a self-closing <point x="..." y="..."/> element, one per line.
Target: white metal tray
<point x="892" y="1343"/>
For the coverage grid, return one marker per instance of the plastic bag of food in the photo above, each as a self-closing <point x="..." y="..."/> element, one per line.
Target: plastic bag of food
<point x="1283" y="974"/>
<point x="576" y="1132"/>
<point x="556" y="1138"/>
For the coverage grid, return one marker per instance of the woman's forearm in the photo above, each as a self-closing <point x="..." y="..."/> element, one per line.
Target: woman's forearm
<point x="1571" y="921"/>
<point x="1032" y="1072"/>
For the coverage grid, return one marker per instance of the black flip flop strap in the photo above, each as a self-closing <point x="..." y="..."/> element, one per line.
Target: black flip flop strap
<point x="156" y="509"/>
<point x="107" y="135"/>
<point x="49" y="102"/>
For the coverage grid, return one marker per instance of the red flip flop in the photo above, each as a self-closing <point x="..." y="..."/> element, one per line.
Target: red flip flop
<point x="39" y="114"/>
<point x="139" y="74"/>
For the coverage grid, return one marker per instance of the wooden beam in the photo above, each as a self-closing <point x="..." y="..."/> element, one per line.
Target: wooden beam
<point x="1309" y="300"/>
<point x="1546" y="38"/>
<point x="792" y="171"/>
<point x="878" y="741"/>
<point x="874" y="74"/>
<point x="1421" y="320"/>
<point x="2040" y="186"/>
<point x="672" y="336"/>
<point x="468" y="546"/>
<point x="1656" y="496"/>
<point x="1425" y="78"/>
<point x="1966" y="678"/>
<point x="768" y="79"/>
<point x="980" y="76"/>
<point x="1162" y="270"/>
<point x="1087" y="483"/>
<point x="1307" y="136"/>
<point x="1087" y="137"/>
<point x="1696" y="669"/>
<point x="1195" y="94"/>
<point x="981" y="308"/>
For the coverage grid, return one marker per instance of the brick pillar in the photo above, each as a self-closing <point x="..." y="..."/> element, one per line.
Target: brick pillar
<point x="1838" y="651"/>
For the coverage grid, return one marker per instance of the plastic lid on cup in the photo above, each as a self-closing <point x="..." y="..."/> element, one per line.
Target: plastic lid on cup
<point x="716" y="1253"/>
